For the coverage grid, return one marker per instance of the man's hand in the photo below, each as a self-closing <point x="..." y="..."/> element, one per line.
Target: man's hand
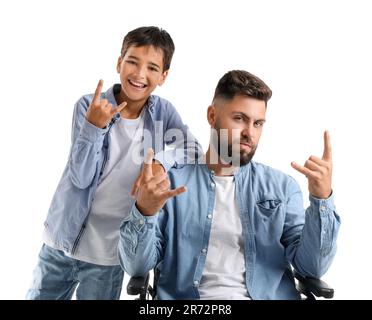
<point x="100" y="112"/>
<point x="154" y="190"/>
<point x="157" y="169"/>
<point x="319" y="171"/>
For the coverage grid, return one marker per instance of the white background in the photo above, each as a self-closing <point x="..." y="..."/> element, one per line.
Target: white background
<point x="315" y="56"/>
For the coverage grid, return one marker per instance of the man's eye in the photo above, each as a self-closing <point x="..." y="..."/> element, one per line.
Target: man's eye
<point x="238" y="118"/>
<point x="153" y="69"/>
<point x="131" y="62"/>
<point x="258" y="124"/>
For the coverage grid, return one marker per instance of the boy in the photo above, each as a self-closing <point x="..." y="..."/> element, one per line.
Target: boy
<point x="109" y="132"/>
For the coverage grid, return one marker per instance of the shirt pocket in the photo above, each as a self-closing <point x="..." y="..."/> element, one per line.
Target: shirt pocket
<point x="268" y="208"/>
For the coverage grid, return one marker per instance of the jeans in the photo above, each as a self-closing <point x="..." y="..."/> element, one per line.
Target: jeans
<point x="56" y="277"/>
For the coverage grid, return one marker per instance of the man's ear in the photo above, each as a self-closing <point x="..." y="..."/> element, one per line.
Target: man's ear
<point x="163" y="77"/>
<point x="211" y="115"/>
<point x="119" y="64"/>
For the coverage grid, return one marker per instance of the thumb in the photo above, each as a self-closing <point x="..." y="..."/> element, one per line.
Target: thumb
<point x="136" y="186"/>
<point x="121" y="106"/>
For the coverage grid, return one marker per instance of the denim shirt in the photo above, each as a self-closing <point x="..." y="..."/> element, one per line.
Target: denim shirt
<point x="89" y="152"/>
<point x="276" y="230"/>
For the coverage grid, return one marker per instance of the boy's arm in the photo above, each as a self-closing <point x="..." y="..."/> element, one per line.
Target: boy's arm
<point x="86" y="145"/>
<point x="185" y="148"/>
<point x="310" y="246"/>
<point x="89" y="127"/>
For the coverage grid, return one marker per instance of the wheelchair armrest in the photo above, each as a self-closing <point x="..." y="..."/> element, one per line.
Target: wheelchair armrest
<point x="315" y="286"/>
<point x="138" y="285"/>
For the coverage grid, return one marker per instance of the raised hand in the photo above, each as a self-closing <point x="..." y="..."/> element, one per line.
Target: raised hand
<point x="319" y="171"/>
<point x="100" y="112"/>
<point x="154" y="190"/>
<point x="157" y="168"/>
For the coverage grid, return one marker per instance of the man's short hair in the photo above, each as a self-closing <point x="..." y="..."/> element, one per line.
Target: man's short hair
<point x="240" y="82"/>
<point x="150" y="36"/>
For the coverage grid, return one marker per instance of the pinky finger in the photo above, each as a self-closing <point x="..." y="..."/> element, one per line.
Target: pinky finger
<point x="175" y="192"/>
<point x="299" y="168"/>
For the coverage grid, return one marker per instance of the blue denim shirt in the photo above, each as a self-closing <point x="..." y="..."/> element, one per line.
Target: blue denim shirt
<point x="276" y="230"/>
<point x="89" y="152"/>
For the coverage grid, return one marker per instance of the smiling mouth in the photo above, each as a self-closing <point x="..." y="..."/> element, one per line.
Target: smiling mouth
<point x="137" y="85"/>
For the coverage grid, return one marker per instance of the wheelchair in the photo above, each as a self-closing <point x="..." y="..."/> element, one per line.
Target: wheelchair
<point x="309" y="288"/>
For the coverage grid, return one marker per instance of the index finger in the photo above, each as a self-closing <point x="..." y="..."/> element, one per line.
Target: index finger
<point x="147" y="166"/>
<point x="327" y="153"/>
<point x="97" y="93"/>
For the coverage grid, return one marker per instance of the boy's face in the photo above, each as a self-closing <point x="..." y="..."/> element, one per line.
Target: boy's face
<point x="141" y="71"/>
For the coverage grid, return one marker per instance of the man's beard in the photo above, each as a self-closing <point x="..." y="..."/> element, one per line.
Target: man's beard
<point x="228" y="154"/>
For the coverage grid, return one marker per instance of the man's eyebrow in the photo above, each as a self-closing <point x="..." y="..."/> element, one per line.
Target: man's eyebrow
<point x="247" y="117"/>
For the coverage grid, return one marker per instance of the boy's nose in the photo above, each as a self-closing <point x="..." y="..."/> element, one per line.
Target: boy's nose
<point x="141" y="72"/>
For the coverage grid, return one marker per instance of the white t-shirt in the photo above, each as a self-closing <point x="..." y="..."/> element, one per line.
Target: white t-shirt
<point x="112" y="200"/>
<point x="224" y="271"/>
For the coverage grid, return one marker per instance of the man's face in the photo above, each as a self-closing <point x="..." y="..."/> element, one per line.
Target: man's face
<point x="141" y="70"/>
<point x="239" y="124"/>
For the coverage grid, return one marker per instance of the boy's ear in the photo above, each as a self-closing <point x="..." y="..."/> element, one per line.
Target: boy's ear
<point x="119" y="64"/>
<point x="163" y="77"/>
<point x="211" y="116"/>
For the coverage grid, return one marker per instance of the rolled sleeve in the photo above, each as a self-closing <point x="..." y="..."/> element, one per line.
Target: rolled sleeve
<point x="136" y="248"/>
<point x="91" y="133"/>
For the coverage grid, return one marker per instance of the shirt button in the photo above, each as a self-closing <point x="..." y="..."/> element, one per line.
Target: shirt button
<point x="204" y="250"/>
<point x="322" y="208"/>
<point x="141" y="221"/>
<point x="209" y="216"/>
<point x="196" y="283"/>
<point x="212" y="184"/>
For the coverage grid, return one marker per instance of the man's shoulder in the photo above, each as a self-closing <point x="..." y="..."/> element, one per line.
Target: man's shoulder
<point x="269" y="173"/>
<point x="185" y="172"/>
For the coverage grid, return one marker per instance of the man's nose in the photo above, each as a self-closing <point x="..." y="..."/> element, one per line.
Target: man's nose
<point x="247" y="133"/>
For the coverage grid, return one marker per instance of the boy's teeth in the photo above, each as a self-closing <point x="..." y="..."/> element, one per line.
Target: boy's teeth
<point x="137" y="84"/>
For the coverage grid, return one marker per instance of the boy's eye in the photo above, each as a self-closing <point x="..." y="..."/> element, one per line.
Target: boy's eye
<point x="131" y="62"/>
<point x="153" y="69"/>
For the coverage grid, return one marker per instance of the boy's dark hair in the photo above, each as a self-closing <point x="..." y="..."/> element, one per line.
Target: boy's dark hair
<point x="150" y="36"/>
<point x="240" y="82"/>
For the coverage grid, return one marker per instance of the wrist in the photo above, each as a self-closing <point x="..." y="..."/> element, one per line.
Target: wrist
<point x="143" y="210"/>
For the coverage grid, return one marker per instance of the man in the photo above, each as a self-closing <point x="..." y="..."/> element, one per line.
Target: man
<point x="241" y="225"/>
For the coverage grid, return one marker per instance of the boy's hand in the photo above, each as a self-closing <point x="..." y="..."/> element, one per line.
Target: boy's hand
<point x="157" y="169"/>
<point x="319" y="171"/>
<point x="100" y="112"/>
<point x="154" y="191"/>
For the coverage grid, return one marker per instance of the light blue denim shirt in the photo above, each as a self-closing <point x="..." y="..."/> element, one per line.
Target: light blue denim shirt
<point x="276" y="230"/>
<point x="89" y="153"/>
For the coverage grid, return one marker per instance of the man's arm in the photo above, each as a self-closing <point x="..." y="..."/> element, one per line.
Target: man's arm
<point x="310" y="240"/>
<point x="141" y="243"/>
<point x="311" y="249"/>
<point x="141" y="239"/>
